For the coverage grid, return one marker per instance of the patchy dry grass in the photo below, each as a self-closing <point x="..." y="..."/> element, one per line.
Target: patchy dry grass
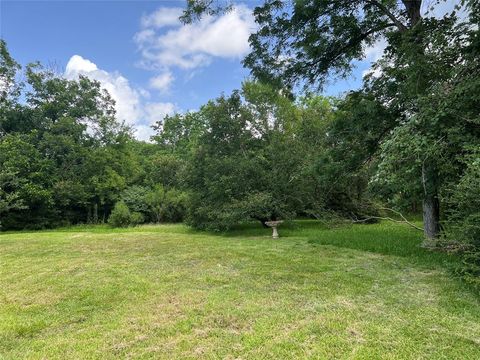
<point x="362" y="292"/>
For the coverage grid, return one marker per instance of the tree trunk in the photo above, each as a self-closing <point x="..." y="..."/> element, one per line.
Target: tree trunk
<point x="95" y="213"/>
<point x="105" y="208"/>
<point x="89" y="214"/>
<point x="431" y="216"/>
<point x="413" y="8"/>
<point x="431" y="205"/>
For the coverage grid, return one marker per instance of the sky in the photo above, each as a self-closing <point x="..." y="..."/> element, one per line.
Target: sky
<point x="151" y="64"/>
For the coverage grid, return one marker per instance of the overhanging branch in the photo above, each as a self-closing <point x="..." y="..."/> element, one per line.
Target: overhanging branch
<point x="388" y="13"/>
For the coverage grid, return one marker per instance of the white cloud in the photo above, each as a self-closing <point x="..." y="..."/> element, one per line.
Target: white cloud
<point x="78" y="64"/>
<point x="129" y="101"/>
<point x="163" y="17"/>
<point x="162" y="82"/>
<point x="144" y="36"/>
<point x="157" y="111"/>
<point x="143" y="132"/>
<point x="438" y="9"/>
<point x="372" y="54"/>
<point x="165" y="42"/>
<point x="375" y="52"/>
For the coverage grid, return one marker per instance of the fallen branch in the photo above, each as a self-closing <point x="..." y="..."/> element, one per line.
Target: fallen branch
<point x="404" y="221"/>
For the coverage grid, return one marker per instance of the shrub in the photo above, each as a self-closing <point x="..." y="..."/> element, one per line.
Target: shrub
<point x="175" y="206"/>
<point x="120" y="216"/>
<point x="136" y="218"/>
<point x="166" y="205"/>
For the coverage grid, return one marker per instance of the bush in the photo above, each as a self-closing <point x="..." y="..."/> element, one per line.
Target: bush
<point x="166" y="205"/>
<point x="120" y="216"/>
<point x="136" y="218"/>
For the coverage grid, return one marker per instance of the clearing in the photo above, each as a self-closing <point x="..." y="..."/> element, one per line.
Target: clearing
<point x="364" y="291"/>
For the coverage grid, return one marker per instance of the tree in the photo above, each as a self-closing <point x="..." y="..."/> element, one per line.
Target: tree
<point x="9" y="68"/>
<point x="344" y="153"/>
<point x="310" y="41"/>
<point x="55" y="135"/>
<point x="429" y="141"/>
<point x="31" y="184"/>
<point x="251" y="161"/>
<point x="10" y="197"/>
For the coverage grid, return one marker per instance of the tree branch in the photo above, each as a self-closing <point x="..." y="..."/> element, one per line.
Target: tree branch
<point x="404" y="221"/>
<point x="387" y="12"/>
<point x="338" y="51"/>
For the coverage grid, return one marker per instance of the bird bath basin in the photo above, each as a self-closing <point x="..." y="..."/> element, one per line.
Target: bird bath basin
<point x="274" y="225"/>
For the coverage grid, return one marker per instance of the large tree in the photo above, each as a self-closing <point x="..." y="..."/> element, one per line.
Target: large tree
<point x="310" y="42"/>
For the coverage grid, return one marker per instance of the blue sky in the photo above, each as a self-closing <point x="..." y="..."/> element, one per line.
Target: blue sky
<point x="149" y="62"/>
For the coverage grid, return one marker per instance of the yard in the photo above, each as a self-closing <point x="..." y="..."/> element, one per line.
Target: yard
<point x="363" y="292"/>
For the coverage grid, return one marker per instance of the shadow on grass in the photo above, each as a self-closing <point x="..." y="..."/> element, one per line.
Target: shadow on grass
<point x="384" y="238"/>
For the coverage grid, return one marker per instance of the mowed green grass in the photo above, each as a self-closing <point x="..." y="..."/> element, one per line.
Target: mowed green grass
<point x="358" y="292"/>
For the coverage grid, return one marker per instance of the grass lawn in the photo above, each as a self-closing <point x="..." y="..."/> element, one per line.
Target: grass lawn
<point x="359" y="292"/>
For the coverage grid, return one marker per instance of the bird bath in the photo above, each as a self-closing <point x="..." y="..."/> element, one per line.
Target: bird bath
<point x="274" y="225"/>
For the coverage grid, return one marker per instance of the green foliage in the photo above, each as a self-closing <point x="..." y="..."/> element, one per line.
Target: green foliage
<point x="135" y="198"/>
<point x="165" y="169"/>
<point x="9" y="89"/>
<point x="178" y="132"/>
<point x="65" y="159"/>
<point x="121" y="216"/>
<point x="309" y="42"/>
<point x="70" y="156"/>
<point x="166" y="205"/>
<point x="463" y="226"/>
<point x="136" y="218"/>
<point x="245" y="164"/>
<point x="410" y="134"/>
<point x="264" y="156"/>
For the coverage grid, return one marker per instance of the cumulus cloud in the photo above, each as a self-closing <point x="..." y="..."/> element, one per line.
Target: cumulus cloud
<point x="164" y="42"/>
<point x="129" y="101"/>
<point x="372" y="54"/>
<point x="157" y="111"/>
<point x="162" y="82"/>
<point x="375" y="51"/>
<point x="143" y="132"/>
<point x="164" y="16"/>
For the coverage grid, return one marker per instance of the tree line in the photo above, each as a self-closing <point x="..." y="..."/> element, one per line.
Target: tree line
<point x="407" y="141"/>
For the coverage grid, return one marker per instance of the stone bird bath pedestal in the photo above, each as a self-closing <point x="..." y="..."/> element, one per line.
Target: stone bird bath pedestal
<point x="274" y="225"/>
